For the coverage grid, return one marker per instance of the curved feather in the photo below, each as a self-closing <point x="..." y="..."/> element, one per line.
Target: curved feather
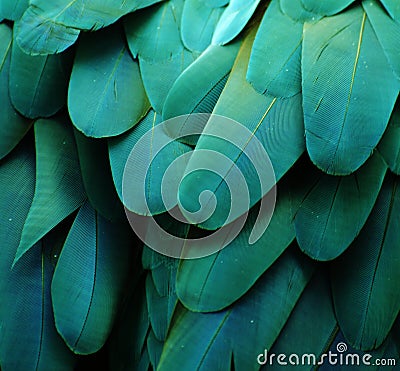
<point x="389" y="146"/>
<point x="322" y="231"/>
<point x="275" y="123"/>
<point x="216" y="281"/>
<point x="13" y="126"/>
<point x="121" y="100"/>
<point x="198" y="88"/>
<point x="97" y="178"/>
<point x="326" y="7"/>
<point x="233" y="20"/>
<point x="387" y="32"/>
<point x="28" y="337"/>
<point x="59" y="190"/>
<point x="295" y="9"/>
<point x="198" y="23"/>
<point x="276" y="70"/>
<point x="344" y="120"/>
<point x="216" y="3"/>
<point x="159" y="77"/>
<point x="208" y="341"/>
<point x="154" y="33"/>
<point x="13" y="9"/>
<point x="38" y="85"/>
<point x="150" y="179"/>
<point x="89" y="280"/>
<point x="367" y="304"/>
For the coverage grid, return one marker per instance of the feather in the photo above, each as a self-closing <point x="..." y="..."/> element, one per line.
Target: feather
<point x="97" y="179"/>
<point x="233" y="20"/>
<point x="208" y="341"/>
<point x="326" y="7"/>
<point x="121" y="101"/>
<point x="28" y="337"/>
<point x="139" y="187"/>
<point x="13" y="126"/>
<point x="389" y="146"/>
<point x="272" y="70"/>
<point x="13" y="9"/>
<point x="89" y="280"/>
<point x="198" y="24"/>
<point x="367" y="299"/>
<point x="347" y="101"/>
<point x="335" y="209"/>
<point x="216" y="281"/>
<point x="295" y="9"/>
<point x="393" y="8"/>
<point x="154" y="33"/>
<point x="38" y="85"/>
<point x="58" y="190"/>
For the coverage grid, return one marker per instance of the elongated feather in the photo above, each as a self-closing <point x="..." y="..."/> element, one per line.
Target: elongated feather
<point x="233" y="20"/>
<point x="271" y="69"/>
<point x="216" y="3"/>
<point x="326" y="7"/>
<point x="295" y="9"/>
<point x="367" y="304"/>
<point x="216" y="281"/>
<point x="121" y="100"/>
<point x="154" y="33"/>
<point x="38" y="85"/>
<point x="51" y="27"/>
<point x="347" y="101"/>
<point x="28" y="337"/>
<point x="89" y="279"/>
<point x="387" y="32"/>
<point x="198" y="23"/>
<point x="275" y="123"/>
<point x="389" y="146"/>
<point x="13" y="126"/>
<point x="158" y="77"/>
<point x="13" y="9"/>
<point x="207" y="341"/>
<point x="97" y="178"/>
<point x="198" y="88"/>
<point x="154" y="347"/>
<point x="313" y="315"/>
<point x="59" y="190"/>
<point x="132" y="179"/>
<point x="335" y="209"/>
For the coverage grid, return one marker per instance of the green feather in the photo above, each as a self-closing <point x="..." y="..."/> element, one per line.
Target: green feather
<point x="208" y="341"/>
<point x="347" y="100"/>
<point x="121" y="100"/>
<point x="154" y="33"/>
<point x="365" y="278"/>
<point x="159" y="77"/>
<point x="389" y="146"/>
<point x="335" y="209"/>
<point x="59" y="190"/>
<point x="327" y="7"/>
<point x="38" y="85"/>
<point x="387" y="32"/>
<point x="393" y="8"/>
<point x="271" y="69"/>
<point x="233" y="20"/>
<point x="13" y="126"/>
<point x="295" y="9"/>
<point x="216" y="281"/>
<point x="28" y="337"/>
<point x="89" y="280"/>
<point x="13" y="9"/>
<point x="198" y="24"/>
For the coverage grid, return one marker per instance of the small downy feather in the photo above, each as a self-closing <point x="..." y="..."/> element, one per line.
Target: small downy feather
<point x="365" y="278"/>
<point x="121" y="101"/>
<point x="89" y="280"/>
